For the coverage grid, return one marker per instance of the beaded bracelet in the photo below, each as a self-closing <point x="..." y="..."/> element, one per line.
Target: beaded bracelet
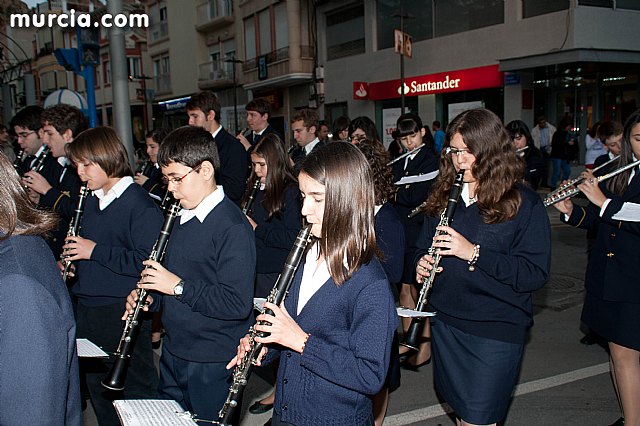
<point x="474" y="257"/>
<point x="304" y="344"/>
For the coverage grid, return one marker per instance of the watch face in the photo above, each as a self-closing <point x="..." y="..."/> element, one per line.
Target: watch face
<point x="177" y="290"/>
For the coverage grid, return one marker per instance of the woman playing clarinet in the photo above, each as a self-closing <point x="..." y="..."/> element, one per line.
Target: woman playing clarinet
<point x="334" y="331"/>
<point x="495" y="253"/>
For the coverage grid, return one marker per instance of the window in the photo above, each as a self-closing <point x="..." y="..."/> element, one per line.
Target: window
<point x="107" y="72"/>
<point x="456" y="16"/>
<point x="599" y="3"/>
<point x="134" y="67"/>
<point x="162" y="73"/>
<point x="282" y="26"/>
<point x="264" y="31"/>
<point x="628" y="4"/>
<point x="417" y="20"/>
<point x="250" y="37"/>
<point x="540" y="7"/>
<point x="345" y="32"/>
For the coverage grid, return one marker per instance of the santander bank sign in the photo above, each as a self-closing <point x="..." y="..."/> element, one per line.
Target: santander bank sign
<point x="453" y="81"/>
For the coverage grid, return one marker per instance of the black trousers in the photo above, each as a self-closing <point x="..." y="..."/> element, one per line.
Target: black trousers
<point x="102" y="325"/>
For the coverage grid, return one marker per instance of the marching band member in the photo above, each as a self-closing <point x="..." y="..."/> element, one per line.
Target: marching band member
<point x="496" y="252"/>
<point x="612" y="303"/>
<point x="150" y="178"/>
<point x="334" y="330"/>
<point x="119" y="226"/>
<point x="205" y="284"/>
<point x="410" y="134"/>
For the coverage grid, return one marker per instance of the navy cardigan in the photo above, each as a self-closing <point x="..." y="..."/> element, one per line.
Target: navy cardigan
<point x="346" y="357"/>
<point x="275" y="236"/>
<point x="494" y="301"/>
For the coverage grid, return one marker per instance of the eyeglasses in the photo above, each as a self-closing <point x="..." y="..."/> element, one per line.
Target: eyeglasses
<point x="358" y="138"/>
<point x="24" y="135"/>
<point x="456" y="152"/>
<point x="178" y="180"/>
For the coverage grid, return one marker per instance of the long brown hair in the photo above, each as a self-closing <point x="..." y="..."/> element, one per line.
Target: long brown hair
<point x="619" y="183"/>
<point x="383" y="179"/>
<point x="348" y="233"/>
<point x="101" y="146"/>
<point x="279" y="174"/>
<point x="18" y="215"/>
<point x="496" y="167"/>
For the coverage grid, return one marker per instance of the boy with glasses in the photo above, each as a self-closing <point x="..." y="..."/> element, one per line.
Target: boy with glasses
<point x="205" y="285"/>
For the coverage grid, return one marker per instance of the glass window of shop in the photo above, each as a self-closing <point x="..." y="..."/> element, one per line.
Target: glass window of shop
<point x="345" y="32"/>
<point x="597" y="3"/>
<point x="456" y="16"/>
<point x="619" y="4"/>
<point x="532" y="8"/>
<point x="417" y="21"/>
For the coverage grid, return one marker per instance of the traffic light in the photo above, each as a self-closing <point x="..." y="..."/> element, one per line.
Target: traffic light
<point x="68" y="58"/>
<point x="89" y="46"/>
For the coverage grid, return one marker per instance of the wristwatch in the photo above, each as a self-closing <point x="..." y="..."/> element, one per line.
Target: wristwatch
<point x="178" y="289"/>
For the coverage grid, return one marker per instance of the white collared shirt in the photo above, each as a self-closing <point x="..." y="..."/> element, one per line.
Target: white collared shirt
<point x="214" y="134"/>
<point x="115" y="192"/>
<point x="309" y="147"/>
<point x="608" y="200"/>
<point x="465" y="195"/>
<point x="64" y="162"/>
<point x="202" y="210"/>
<point x="312" y="277"/>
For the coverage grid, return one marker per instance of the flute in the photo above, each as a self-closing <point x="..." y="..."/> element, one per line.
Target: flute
<point x="578" y="180"/>
<point x="406" y="154"/>
<point x="116" y="377"/>
<point x="244" y="368"/>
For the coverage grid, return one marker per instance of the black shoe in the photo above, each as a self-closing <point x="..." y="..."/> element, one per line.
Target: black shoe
<point x="619" y="422"/>
<point x="588" y="339"/>
<point x="405" y="365"/>
<point x="259" y="408"/>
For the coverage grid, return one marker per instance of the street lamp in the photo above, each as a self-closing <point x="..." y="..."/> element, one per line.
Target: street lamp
<point x="234" y="61"/>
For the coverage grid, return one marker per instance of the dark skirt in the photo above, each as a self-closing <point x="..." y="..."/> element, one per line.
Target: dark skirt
<point x="616" y="322"/>
<point x="475" y="375"/>
<point x="392" y="382"/>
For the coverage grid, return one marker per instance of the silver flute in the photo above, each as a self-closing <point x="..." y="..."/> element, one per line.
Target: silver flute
<point x="568" y="192"/>
<point x="406" y="154"/>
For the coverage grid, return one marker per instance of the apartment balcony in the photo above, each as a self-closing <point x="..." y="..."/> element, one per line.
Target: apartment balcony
<point x="163" y="83"/>
<point x="214" y="14"/>
<point x="215" y="75"/>
<point x="158" y="31"/>
<point x="281" y="70"/>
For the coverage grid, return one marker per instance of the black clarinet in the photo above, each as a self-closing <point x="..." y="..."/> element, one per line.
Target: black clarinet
<point x="118" y="373"/>
<point x="244" y="368"/>
<point x="246" y="208"/>
<point x="18" y="161"/>
<point x="412" y="337"/>
<point x="74" y="227"/>
<point x="38" y="165"/>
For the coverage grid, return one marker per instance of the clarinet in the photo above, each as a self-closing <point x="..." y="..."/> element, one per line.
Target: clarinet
<point x="116" y="377"/>
<point x="412" y="338"/>
<point x="18" y="161"/>
<point x="244" y="368"/>
<point x="246" y="208"/>
<point x="74" y="228"/>
<point x="39" y="163"/>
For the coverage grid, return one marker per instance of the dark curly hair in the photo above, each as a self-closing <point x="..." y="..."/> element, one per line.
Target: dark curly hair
<point x="383" y="180"/>
<point x="496" y="167"/>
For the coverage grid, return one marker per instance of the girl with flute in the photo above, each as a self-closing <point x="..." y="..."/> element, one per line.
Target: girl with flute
<point x="118" y="228"/>
<point x="495" y="253"/>
<point x="334" y="330"/>
<point x="612" y="303"/>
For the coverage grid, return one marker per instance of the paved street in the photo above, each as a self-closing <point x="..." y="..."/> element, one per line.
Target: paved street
<point x="562" y="382"/>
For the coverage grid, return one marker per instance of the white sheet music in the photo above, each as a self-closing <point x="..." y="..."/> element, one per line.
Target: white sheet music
<point x="410" y="313"/>
<point x="151" y="412"/>
<point x="87" y="349"/>
<point x="629" y="212"/>
<point x="406" y="180"/>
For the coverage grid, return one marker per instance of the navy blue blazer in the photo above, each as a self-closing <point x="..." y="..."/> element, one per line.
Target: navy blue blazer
<point x="39" y="382"/>
<point x="611" y="271"/>
<point x="233" y="165"/>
